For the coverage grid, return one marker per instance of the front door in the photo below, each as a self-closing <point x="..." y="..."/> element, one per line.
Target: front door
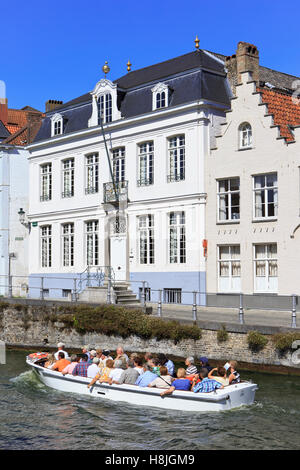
<point x="118" y="248"/>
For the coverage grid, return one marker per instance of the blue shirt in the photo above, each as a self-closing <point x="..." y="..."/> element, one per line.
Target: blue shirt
<point x="170" y="366"/>
<point x="144" y="379"/>
<point x="207" y="385"/>
<point x="181" y="384"/>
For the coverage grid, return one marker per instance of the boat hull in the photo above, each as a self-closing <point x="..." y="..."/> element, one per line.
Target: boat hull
<point x="230" y="397"/>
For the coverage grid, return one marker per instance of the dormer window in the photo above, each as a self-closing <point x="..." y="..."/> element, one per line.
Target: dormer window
<point x="160" y="96"/>
<point x="104" y="103"/>
<point x="56" y="125"/>
<point x="245" y="136"/>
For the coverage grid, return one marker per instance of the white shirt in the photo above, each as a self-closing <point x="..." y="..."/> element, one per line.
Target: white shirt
<point x="65" y="353"/>
<point x="140" y="370"/>
<point x="92" y="371"/>
<point x="115" y="374"/>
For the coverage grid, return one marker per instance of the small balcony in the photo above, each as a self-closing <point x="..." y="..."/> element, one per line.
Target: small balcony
<point x="114" y="193"/>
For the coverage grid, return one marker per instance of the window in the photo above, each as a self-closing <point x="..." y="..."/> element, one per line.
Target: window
<point x="146" y="169"/>
<point x="46" y="182"/>
<point x="147" y="291"/>
<point x="92" y="243"/>
<point x="68" y="244"/>
<point x="172" y="296"/>
<point x="265" y="196"/>
<point x="68" y="178"/>
<point x="245" y="135"/>
<point x="56" y="124"/>
<point x="92" y="173"/>
<point x="229" y="199"/>
<point x="119" y="164"/>
<point x="229" y="268"/>
<point x="177" y="245"/>
<point x="46" y="246"/>
<point x="146" y="239"/>
<point x="265" y="268"/>
<point x="66" y="293"/>
<point x="104" y="106"/>
<point x="160" y="96"/>
<point x="176" y="151"/>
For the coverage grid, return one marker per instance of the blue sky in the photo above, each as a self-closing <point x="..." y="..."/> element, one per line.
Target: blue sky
<point x="55" y="50"/>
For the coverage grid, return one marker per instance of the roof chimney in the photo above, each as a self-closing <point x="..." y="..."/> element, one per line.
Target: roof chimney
<point x="52" y="104"/>
<point x="3" y="110"/>
<point x="246" y="59"/>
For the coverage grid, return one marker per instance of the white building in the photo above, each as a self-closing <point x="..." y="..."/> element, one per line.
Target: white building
<point x="159" y="124"/>
<point x="253" y="185"/>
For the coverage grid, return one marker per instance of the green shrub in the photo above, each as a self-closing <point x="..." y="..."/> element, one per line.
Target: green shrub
<point x="119" y="321"/>
<point x="256" y="341"/>
<point x="222" y="334"/>
<point x="283" y="341"/>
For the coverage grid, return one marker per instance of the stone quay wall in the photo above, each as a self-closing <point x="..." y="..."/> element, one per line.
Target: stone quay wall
<point x="32" y="327"/>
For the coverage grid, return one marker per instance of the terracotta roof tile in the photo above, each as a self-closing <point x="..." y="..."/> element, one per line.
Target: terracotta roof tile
<point x="285" y="111"/>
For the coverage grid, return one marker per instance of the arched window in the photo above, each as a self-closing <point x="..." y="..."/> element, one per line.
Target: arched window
<point x="104" y="106"/>
<point x="160" y="96"/>
<point x="161" y="100"/>
<point x="57" y="125"/>
<point x="245" y="135"/>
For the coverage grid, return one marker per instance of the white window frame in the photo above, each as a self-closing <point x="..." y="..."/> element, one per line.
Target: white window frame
<point x="46" y="246"/>
<point x="57" y="124"/>
<point x="146" y="163"/>
<point x="68" y="177"/>
<point x="118" y="158"/>
<point x="263" y="192"/>
<point x="232" y="281"/>
<point x="146" y="248"/>
<point x="92" y="173"/>
<point x="104" y="108"/>
<point x="177" y="243"/>
<point x="92" y="242"/>
<point x="104" y="87"/>
<point x="160" y="96"/>
<point x="245" y="136"/>
<point x="226" y="196"/>
<point x="265" y="264"/>
<point x="46" y="182"/>
<point x="67" y="235"/>
<point x="176" y="158"/>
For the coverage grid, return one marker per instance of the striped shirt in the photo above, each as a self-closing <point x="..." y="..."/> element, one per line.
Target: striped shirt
<point x="207" y="385"/>
<point x="191" y="370"/>
<point x="81" y="369"/>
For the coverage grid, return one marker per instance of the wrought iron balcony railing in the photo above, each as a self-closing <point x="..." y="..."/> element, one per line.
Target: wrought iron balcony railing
<point x="115" y="192"/>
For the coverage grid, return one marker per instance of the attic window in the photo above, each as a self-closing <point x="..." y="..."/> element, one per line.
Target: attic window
<point x="104" y="106"/>
<point x="56" y="125"/>
<point x="160" y="96"/>
<point x="245" y="135"/>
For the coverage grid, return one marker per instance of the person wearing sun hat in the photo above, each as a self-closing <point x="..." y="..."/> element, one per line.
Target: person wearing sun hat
<point x="60" y="347"/>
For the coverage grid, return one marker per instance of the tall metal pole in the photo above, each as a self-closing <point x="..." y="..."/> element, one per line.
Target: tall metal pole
<point x="241" y="310"/>
<point x="294" y="318"/>
<point x="108" y="158"/>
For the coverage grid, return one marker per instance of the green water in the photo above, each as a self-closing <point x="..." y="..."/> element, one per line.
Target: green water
<point x="33" y="416"/>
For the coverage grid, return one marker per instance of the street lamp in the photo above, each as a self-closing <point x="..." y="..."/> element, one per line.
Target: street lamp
<point x="23" y="219"/>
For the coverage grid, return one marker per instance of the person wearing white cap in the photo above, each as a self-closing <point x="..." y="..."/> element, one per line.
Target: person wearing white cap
<point x="60" y="347"/>
<point x="93" y="369"/>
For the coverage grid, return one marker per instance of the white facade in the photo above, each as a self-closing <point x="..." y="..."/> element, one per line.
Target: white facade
<point x="253" y="202"/>
<point x="13" y="236"/>
<point x="77" y="198"/>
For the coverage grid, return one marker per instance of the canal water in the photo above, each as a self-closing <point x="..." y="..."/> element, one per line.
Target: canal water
<point x="33" y="416"/>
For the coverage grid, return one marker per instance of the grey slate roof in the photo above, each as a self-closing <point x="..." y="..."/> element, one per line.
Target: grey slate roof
<point x="3" y="131"/>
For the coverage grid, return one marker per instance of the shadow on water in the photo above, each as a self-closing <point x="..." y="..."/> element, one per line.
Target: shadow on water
<point x="33" y="416"/>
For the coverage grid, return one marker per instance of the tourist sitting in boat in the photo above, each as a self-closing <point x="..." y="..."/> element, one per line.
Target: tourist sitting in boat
<point x="61" y="347"/>
<point x="234" y="376"/>
<point x="147" y="377"/>
<point x="154" y="363"/>
<point x="93" y="368"/>
<point x="204" y="363"/>
<point x="50" y="361"/>
<point x="164" y="361"/>
<point x="164" y="380"/>
<point x="128" y="376"/>
<point x="221" y="375"/>
<point x="70" y="367"/>
<point x="105" y="356"/>
<point x="122" y="357"/>
<point x="181" y="383"/>
<point x="206" y="385"/>
<point x="103" y="374"/>
<point x="93" y="354"/>
<point x="86" y="350"/>
<point x="82" y="366"/>
<point x="138" y="365"/>
<point x="116" y="371"/>
<point x="61" y="363"/>
<point x="191" y="368"/>
<point x="148" y="356"/>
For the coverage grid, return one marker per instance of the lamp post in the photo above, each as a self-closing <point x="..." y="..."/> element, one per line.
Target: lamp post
<point x="23" y="219"/>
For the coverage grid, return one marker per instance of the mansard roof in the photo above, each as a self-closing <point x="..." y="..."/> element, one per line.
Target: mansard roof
<point x="190" y="77"/>
<point x="3" y="131"/>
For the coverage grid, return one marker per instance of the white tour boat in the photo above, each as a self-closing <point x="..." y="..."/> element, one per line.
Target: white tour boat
<point x="227" y="398"/>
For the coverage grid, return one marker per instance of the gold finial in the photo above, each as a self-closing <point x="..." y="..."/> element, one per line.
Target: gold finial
<point x="106" y="68"/>
<point x="129" y="66"/>
<point x="197" y="43"/>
